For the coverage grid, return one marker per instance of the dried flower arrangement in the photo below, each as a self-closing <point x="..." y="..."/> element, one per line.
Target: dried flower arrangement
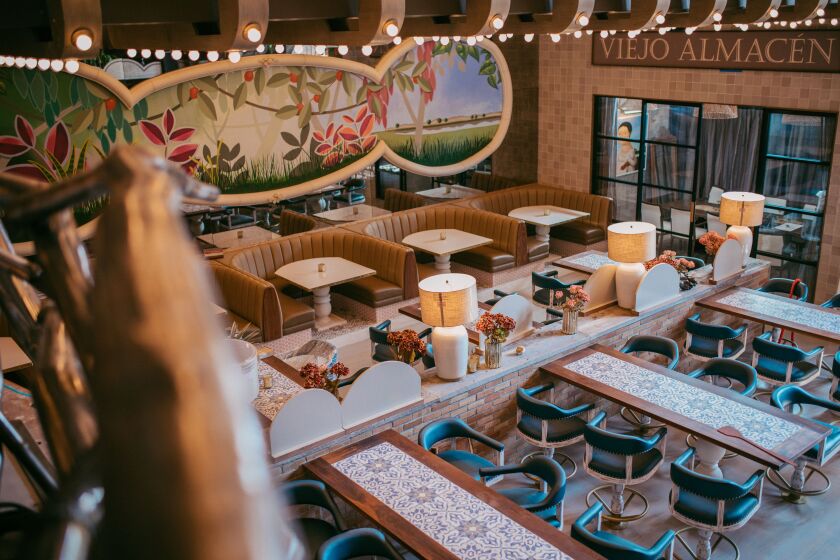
<point x="495" y="326"/>
<point x="711" y="241"/>
<point x="407" y="345"/>
<point x="322" y="377"/>
<point x="682" y="266"/>
<point x="575" y="299"/>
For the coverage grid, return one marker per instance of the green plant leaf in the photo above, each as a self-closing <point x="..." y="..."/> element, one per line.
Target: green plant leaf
<point x="117" y="116"/>
<point x="403" y="66"/>
<point x="292" y="155"/>
<point x="279" y="79"/>
<point x="314" y="88"/>
<point x="461" y="51"/>
<point x="304" y="134"/>
<point x="112" y="130"/>
<point x="347" y="83"/>
<point x="240" y="96"/>
<point x="424" y="84"/>
<point x="361" y="93"/>
<point x="74" y="90"/>
<point x="21" y="83"/>
<point x="289" y="138"/>
<point x="305" y="115"/>
<point x="487" y="69"/>
<point x="98" y="91"/>
<point x="473" y="52"/>
<point x="205" y="105"/>
<point x="294" y="93"/>
<point x="419" y="68"/>
<point x="128" y="134"/>
<point x="106" y="146"/>
<point x="325" y="100"/>
<point x="327" y="79"/>
<point x="492" y="81"/>
<point x="208" y="83"/>
<point x="38" y="91"/>
<point x="259" y="80"/>
<point x="286" y="112"/>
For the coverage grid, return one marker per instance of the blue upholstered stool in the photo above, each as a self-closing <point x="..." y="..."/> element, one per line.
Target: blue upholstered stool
<point x="546" y="502"/>
<point x="707" y="340"/>
<point x="613" y="547"/>
<point x="312" y="531"/>
<point x="467" y="461"/>
<point x="781" y="364"/>
<point x="358" y="543"/>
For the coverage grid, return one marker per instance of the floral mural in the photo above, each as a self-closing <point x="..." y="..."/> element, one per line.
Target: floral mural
<point x="263" y="127"/>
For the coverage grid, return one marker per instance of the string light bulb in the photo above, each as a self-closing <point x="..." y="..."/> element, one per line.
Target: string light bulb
<point x="419" y="40"/>
<point x="279" y="49"/>
<point x="131" y="53"/>
<point x="717" y="16"/>
<point x="320" y="49"/>
<point x="578" y="34"/>
<point x="497" y="22"/>
<point x="83" y="39"/>
<point x="71" y="66"/>
<point x="456" y="38"/>
<point x="659" y="18"/>
<point x="555" y="37"/>
<point x="444" y="41"/>
<point x="589" y="31"/>
<point x="717" y="27"/>
<point x="43" y="64"/>
<point x="297" y="49"/>
<point x="774" y="13"/>
<point x="57" y="65"/>
<point x="689" y="30"/>
<point x="808" y="23"/>
<point x="834" y="21"/>
<point x="663" y="30"/>
<point x="159" y="54"/>
<point x="176" y="54"/>
<point x="145" y="53"/>
<point x="343" y="49"/>
<point x="604" y="34"/>
<point x="252" y="32"/>
<point x="234" y="56"/>
<point x="502" y="37"/>
<point x="193" y="55"/>
<point x="391" y="28"/>
<point x="820" y="12"/>
<point x="471" y="41"/>
<point x="212" y="56"/>
<point x="583" y="19"/>
<point x="397" y="40"/>
<point x="367" y="50"/>
<point x="260" y="48"/>
<point x="31" y="63"/>
<point x="529" y="37"/>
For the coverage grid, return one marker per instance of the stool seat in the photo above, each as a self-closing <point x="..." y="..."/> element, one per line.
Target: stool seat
<point x="529" y="497"/>
<point x="466" y="461"/>
<point x="708" y="348"/>
<point x="705" y="510"/>
<point x="777" y="371"/>
<point x="830" y="443"/>
<point x="561" y="430"/>
<point x="614" y="466"/>
<point x="313" y="533"/>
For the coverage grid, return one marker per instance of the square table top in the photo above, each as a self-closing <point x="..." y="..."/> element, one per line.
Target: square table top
<point x="556" y="215"/>
<point x="352" y="213"/>
<point x="237" y="238"/>
<point x="586" y="262"/>
<point x="692" y="405"/>
<point x="456" y="241"/>
<point x="12" y="357"/>
<point x="304" y="273"/>
<point x="779" y="311"/>
<point x="433" y="508"/>
<point x="455" y="191"/>
<point x="286" y="382"/>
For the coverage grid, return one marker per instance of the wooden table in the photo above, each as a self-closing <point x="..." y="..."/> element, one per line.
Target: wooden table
<point x="443" y="242"/>
<point x="352" y="213"/>
<point x="433" y="508"/>
<point x="691" y="405"/>
<point x="286" y="382"/>
<point x="778" y="311"/>
<point x="586" y="262"/>
<point x="12" y="358"/>
<point x="450" y="192"/>
<point x="238" y="238"/>
<point x="545" y="217"/>
<point x="305" y="274"/>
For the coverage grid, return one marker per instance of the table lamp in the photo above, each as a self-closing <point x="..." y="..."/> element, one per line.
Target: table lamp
<point x="630" y="244"/>
<point x="447" y="303"/>
<point x="741" y="211"/>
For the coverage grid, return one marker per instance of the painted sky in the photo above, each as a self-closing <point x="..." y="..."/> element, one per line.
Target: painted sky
<point x="457" y="93"/>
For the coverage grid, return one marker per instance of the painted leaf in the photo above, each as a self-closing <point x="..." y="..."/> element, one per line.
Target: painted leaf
<point x="98" y="91"/>
<point x="323" y="149"/>
<point x="348" y="133"/>
<point x="183" y="153"/>
<point x="325" y="99"/>
<point x="240" y="96"/>
<point x="100" y="118"/>
<point x="314" y="88"/>
<point x="420" y="68"/>
<point x="329" y="131"/>
<point x="11" y="146"/>
<point x="24" y="131"/>
<point x="37" y="89"/>
<point x="128" y="134"/>
<point x="292" y="154"/>
<point x="25" y="170"/>
<point x="360" y="114"/>
<point x="294" y="93"/>
<point x="305" y="115"/>
<point x="424" y="84"/>
<point x="304" y="134"/>
<point x="487" y="68"/>
<point x="181" y="134"/>
<point x="239" y="164"/>
<point x="348" y="119"/>
<point x="83" y="120"/>
<point x="278" y="80"/>
<point x="58" y="142"/>
<point x="492" y="81"/>
<point x="112" y="130"/>
<point x="286" y="112"/>
<point x="354" y="148"/>
<point x="318" y="136"/>
<point x="347" y="83"/>
<point x="259" y="80"/>
<point x="208" y="83"/>
<point x="368" y="143"/>
<point x="168" y="121"/>
<point x="205" y="105"/>
<point x="21" y="83"/>
<point x="473" y="52"/>
<point x="153" y="133"/>
<point x="403" y="66"/>
<point x="367" y="126"/>
<point x="289" y="138"/>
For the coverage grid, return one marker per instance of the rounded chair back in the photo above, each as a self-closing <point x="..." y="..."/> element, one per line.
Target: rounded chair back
<point x="700" y="484"/>
<point x="379" y="333"/>
<point x="551" y="473"/>
<point x="311" y="493"/>
<point x="656" y="345"/>
<point x="783" y="286"/>
<point x="832" y="302"/>
<point x="743" y="373"/>
<point x="440" y="430"/>
<point x="698" y="263"/>
<point x="697" y="327"/>
<point x="535" y="407"/>
<point x="611" y="442"/>
<point x="613" y="547"/>
<point x="357" y="543"/>
<point x="777" y="351"/>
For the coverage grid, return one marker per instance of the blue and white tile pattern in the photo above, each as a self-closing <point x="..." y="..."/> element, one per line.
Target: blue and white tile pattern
<point x="466" y="526"/>
<point x="760" y="303"/>
<point x="692" y="402"/>
<point x="592" y="260"/>
<point x="269" y="401"/>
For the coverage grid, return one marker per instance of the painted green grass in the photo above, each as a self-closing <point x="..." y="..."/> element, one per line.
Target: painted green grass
<point x="443" y="148"/>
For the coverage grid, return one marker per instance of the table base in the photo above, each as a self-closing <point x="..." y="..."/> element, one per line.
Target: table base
<point x="542" y="233"/>
<point x="709" y="456"/>
<point x="329" y="322"/>
<point x="442" y="263"/>
<point x="324" y="319"/>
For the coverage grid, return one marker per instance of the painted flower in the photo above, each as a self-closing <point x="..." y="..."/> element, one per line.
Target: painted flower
<point x="47" y="164"/>
<point x="168" y="136"/>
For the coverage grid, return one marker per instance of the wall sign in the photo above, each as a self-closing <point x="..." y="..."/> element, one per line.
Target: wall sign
<point x="787" y="51"/>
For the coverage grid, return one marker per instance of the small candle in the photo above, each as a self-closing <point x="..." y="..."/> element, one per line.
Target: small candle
<point x="448" y="189"/>
<point x="240" y="234"/>
<point x="355" y="209"/>
<point x="546" y="212"/>
<point x="520" y="350"/>
<point x="266" y="382"/>
<point x="322" y="267"/>
<point x="442" y="235"/>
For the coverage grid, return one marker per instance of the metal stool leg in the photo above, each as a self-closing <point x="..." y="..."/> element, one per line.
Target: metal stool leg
<point x="795" y="491"/>
<point x="704" y="548"/>
<point x="566" y="463"/>
<point x="616" y="509"/>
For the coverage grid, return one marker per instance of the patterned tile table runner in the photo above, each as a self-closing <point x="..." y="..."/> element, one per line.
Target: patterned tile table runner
<point x="687" y="400"/>
<point x="459" y="521"/>
<point x="773" y="307"/>
<point x="592" y="260"/>
<point x="270" y="400"/>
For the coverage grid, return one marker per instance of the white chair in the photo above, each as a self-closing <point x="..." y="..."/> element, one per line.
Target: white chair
<point x="773" y="244"/>
<point x="680" y="221"/>
<point x="775" y="202"/>
<point x="714" y="195"/>
<point x="652" y="215"/>
<point x="714" y="223"/>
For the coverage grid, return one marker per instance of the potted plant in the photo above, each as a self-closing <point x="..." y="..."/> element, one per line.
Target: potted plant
<point x="711" y="242"/>
<point x="407" y="345"/>
<point x="575" y="299"/>
<point x="322" y="377"/>
<point x="682" y="267"/>
<point x="495" y="327"/>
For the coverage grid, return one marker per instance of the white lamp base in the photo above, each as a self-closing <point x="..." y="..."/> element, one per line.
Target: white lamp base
<point x="451" y="348"/>
<point x="627" y="278"/>
<point x="744" y="236"/>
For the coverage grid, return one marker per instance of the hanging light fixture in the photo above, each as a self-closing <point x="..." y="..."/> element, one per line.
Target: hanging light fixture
<point x="716" y="111"/>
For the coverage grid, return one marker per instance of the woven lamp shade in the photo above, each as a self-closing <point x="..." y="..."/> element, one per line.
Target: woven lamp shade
<point x="448" y="300"/>
<point x="742" y="209"/>
<point x="631" y="242"/>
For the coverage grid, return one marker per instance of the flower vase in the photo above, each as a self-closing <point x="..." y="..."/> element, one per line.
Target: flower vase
<point x="492" y="353"/>
<point x="570" y="321"/>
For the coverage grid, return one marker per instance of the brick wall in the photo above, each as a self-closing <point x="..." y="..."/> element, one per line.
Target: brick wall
<point x="568" y="83"/>
<point x="491" y="408"/>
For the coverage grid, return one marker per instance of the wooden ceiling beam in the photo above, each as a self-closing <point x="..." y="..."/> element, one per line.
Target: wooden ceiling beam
<point x="186" y="30"/>
<point x="642" y="14"/>
<point x="367" y="27"/>
<point x="562" y="18"/>
<point x="699" y="13"/>
<point x="475" y="19"/>
<point x="52" y="25"/>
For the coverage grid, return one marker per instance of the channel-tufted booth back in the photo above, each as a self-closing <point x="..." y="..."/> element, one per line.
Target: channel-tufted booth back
<point x="489" y="182"/>
<point x="292" y="222"/>
<point x="502" y="202"/>
<point x="396" y="200"/>
<point x="393" y="263"/>
<point x="508" y="234"/>
<point x="249" y="300"/>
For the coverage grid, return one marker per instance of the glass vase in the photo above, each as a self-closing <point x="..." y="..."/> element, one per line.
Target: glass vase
<point x="492" y="353"/>
<point x="570" y="321"/>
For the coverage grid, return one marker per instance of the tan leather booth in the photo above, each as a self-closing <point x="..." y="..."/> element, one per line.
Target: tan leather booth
<point x="509" y="239"/>
<point x="395" y="279"/>
<point x="292" y="222"/>
<point x="396" y="200"/>
<point x="585" y="231"/>
<point x="489" y="182"/>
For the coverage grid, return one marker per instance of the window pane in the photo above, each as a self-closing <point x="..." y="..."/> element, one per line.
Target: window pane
<point x="787" y="269"/>
<point x="618" y="158"/>
<point x="795" y="184"/>
<point x="670" y="212"/>
<point x="790" y="235"/>
<point x="802" y="136"/>
<point x="619" y="117"/>
<point x="672" y="123"/>
<point x="624" y="199"/>
<point x="669" y="166"/>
